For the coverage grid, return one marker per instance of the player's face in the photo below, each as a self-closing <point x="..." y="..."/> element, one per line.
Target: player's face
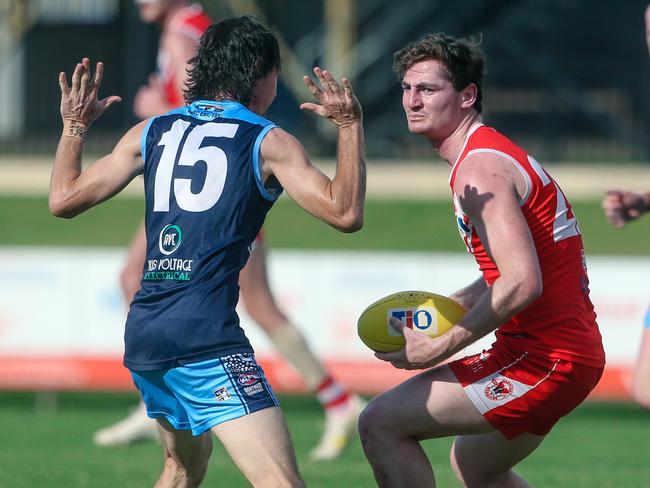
<point x="432" y="105"/>
<point x="152" y="11"/>
<point x="264" y="92"/>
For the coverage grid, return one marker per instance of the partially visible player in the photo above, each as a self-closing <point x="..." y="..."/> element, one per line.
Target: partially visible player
<point x="622" y="207"/>
<point x="187" y="354"/>
<point x="182" y="26"/>
<point x="517" y="223"/>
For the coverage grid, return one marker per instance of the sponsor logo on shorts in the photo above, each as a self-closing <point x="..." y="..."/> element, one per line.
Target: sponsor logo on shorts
<point x="222" y="394"/>
<point x="499" y="388"/>
<point x="254" y="389"/>
<point x="248" y="379"/>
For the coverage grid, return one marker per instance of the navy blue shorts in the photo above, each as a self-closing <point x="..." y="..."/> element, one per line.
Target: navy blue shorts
<point x="200" y="395"/>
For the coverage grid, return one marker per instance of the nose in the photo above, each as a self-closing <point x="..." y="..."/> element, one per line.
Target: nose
<point x="412" y="99"/>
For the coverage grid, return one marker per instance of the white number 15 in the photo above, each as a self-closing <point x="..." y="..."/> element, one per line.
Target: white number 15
<point x="191" y="153"/>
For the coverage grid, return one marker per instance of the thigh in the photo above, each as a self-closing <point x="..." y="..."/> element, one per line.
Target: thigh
<point x="476" y="457"/>
<point x="260" y="445"/>
<point x="431" y="404"/>
<point x="190" y="452"/>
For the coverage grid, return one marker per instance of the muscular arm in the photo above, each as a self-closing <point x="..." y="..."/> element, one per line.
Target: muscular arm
<point x="470" y="294"/>
<point x="338" y="202"/>
<point x="488" y="195"/>
<point x="72" y="190"/>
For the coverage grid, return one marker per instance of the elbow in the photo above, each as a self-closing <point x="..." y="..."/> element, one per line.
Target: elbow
<point x="530" y="290"/>
<point x="350" y="223"/>
<point x="59" y="208"/>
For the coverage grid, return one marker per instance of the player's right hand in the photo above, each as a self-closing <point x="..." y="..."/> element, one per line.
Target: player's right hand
<point x="79" y="102"/>
<point x="337" y="104"/>
<point x="621" y="206"/>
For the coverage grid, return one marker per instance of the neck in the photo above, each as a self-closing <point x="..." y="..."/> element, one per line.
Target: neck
<point x="450" y="147"/>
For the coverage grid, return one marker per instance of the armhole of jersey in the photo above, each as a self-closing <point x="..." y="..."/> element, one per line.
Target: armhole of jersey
<point x="529" y="183"/>
<point x="143" y="140"/>
<point x="256" y="165"/>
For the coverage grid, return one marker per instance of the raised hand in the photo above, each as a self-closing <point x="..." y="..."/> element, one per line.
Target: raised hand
<point x="79" y="102"/>
<point x="336" y="104"/>
<point x="622" y="206"/>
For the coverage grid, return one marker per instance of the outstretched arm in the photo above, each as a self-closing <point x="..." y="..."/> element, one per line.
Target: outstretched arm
<point x="72" y="190"/>
<point x="339" y="201"/>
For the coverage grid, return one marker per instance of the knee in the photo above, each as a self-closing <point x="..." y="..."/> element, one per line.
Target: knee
<point x="373" y="428"/>
<point x="189" y="473"/>
<point x="177" y="474"/>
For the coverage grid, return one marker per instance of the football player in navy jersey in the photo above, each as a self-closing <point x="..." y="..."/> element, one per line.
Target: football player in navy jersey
<point x="212" y="170"/>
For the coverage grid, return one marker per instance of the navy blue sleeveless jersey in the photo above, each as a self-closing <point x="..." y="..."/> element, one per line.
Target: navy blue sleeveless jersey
<point x="205" y="204"/>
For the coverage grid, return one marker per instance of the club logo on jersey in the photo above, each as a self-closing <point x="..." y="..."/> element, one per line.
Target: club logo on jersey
<point x="465" y="227"/>
<point x="206" y="107"/>
<point x="222" y="394"/>
<point x="423" y="319"/>
<point x="170" y="239"/>
<point x="498" y="389"/>
<point x="248" y="379"/>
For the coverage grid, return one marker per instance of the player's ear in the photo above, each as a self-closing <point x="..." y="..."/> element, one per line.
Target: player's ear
<point x="468" y="96"/>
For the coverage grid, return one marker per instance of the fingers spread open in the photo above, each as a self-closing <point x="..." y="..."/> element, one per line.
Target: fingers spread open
<point x="311" y="86"/>
<point x="63" y="84"/>
<point x="76" y="76"/>
<point x="99" y="73"/>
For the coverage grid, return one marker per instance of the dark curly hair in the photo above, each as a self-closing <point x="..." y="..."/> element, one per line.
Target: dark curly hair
<point x="462" y="58"/>
<point x="233" y="55"/>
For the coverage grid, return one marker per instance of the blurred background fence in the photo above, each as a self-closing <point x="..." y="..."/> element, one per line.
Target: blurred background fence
<point x="566" y="78"/>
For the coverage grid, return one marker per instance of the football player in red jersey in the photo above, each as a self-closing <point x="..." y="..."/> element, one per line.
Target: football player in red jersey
<point x="182" y="26"/>
<point x="517" y="223"/>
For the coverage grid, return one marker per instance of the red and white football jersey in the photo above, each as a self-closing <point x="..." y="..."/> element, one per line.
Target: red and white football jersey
<point x="561" y="323"/>
<point x="192" y="22"/>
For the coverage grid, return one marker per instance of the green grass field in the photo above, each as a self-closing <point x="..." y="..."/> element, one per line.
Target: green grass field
<point x="389" y="225"/>
<point x="598" y="445"/>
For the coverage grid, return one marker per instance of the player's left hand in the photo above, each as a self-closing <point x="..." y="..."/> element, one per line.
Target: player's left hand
<point x="338" y="104"/>
<point x="420" y="351"/>
<point x="79" y="102"/>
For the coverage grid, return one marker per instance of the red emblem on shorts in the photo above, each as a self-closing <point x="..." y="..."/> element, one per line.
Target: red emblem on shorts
<point x="498" y="389"/>
<point x="247" y="379"/>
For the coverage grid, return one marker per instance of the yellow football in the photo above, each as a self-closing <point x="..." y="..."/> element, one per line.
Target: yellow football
<point x="425" y="312"/>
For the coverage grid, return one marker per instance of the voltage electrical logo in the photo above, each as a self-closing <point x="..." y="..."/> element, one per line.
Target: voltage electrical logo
<point x="177" y="269"/>
<point x="170" y="239"/>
